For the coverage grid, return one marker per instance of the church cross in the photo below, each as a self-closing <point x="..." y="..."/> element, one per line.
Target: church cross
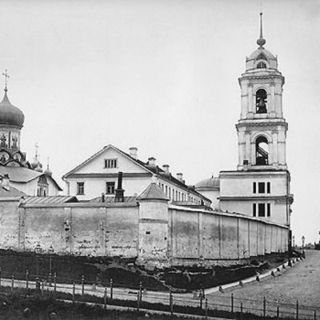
<point x="6" y="77"/>
<point x="36" y="147"/>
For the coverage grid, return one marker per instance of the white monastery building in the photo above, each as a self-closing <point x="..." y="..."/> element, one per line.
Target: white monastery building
<point x="99" y="175"/>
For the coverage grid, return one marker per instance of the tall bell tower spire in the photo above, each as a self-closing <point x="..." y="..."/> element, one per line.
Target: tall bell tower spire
<point x="261" y="42"/>
<point x="262" y="127"/>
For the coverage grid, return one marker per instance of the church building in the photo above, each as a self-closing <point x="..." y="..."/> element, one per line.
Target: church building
<point x="15" y="169"/>
<point x="260" y="187"/>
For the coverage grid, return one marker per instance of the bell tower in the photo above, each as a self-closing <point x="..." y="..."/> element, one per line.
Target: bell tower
<point x="260" y="187"/>
<point x="262" y="127"/>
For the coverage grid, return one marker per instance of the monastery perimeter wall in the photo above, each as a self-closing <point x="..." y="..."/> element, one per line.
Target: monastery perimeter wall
<point x="153" y="231"/>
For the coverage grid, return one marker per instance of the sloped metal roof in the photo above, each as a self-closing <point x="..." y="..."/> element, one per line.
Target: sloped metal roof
<point x="153" y="192"/>
<point x="50" y="200"/>
<point x="24" y="175"/>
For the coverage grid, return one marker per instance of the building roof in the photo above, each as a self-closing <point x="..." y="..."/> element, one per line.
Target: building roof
<point x="260" y="52"/>
<point x="9" y="114"/>
<point x="10" y="192"/>
<point x="24" y="175"/>
<point x="112" y="199"/>
<point x="50" y="200"/>
<point x="154" y="169"/>
<point x="212" y="183"/>
<point x="153" y="192"/>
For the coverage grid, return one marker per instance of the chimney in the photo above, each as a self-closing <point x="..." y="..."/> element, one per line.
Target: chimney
<point x="180" y="177"/>
<point x="119" y="191"/>
<point x="6" y="182"/>
<point x="152" y="162"/>
<point x="166" y="168"/>
<point x="133" y="152"/>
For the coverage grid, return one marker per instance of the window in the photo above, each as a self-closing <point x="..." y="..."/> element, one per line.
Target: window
<point x="261" y="187"/>
<point x="110" y="163"/>
<point x="262" y="151"/>
<point x="261" y="65"/>
<point x="166" y="190"/>
<point x="261" y="210"/>
<point x="169" y="193"/>
<point x="110" y="187"/>
<point x="42" y="191"/>
<point x="264" y="209"/>
<point x="261" y="101"/>
<point x="254" y="187"/>
<point x="80" y="188"/>
<point x="268" y="187"/>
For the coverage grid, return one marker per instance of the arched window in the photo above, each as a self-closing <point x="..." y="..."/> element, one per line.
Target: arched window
<point x="261" y="101"/>
<point x="262" y="151"/>
<point x="261" y="65"/>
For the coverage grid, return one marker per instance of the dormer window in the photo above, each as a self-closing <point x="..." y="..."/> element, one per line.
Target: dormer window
<point x="110" y="163"/>
<point x="261" y="65"/>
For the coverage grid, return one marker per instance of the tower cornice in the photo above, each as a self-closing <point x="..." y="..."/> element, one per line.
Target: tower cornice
<point x="262" y="124"/>
<point x="250" y="77"/>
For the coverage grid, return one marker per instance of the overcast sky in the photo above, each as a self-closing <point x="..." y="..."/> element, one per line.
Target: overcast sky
<point x="161" y="76"/>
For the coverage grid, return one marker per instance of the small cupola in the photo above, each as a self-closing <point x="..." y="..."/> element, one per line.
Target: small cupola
<point x="261" y="58"/>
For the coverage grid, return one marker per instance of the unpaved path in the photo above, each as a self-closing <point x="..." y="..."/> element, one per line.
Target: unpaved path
<point x="300" y="283"/>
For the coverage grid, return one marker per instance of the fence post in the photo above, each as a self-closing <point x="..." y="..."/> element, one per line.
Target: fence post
<point x="278" y="312"/>
<point x="12" y="283"/>
<point x="105" y="298"/>
<point x="201" y="299"/>
<point x="27" y="279"/>
<point x="140" y="291"/>
<point x="111" y="289"/>
<point x="73" y="291"/>
<point x="315" y="315"/>
<point x="171" y="302"/>
<point x="82" y="285"/>
<point x="54" y="283"/>
<point x="264" y="307"/>
<point x="138" y="301"/>
<point x="50" y="279"/>
<point x="241" y="310"/>
<point x="297" y="310"/>
<point x="206" y="308"/>
<point x="232" y="303"/>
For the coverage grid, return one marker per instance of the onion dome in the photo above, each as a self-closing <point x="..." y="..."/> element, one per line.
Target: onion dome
<point x="211" y="184"/>
<point x="9" y="114"/>
<point x="38" y="167"/>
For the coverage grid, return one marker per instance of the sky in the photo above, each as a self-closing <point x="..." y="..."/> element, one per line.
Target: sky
<point x="161" y="76"/>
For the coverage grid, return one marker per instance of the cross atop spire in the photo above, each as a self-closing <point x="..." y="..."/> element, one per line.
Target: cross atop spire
<point x="36" y="146"/>
<point x="261" y="41"/>
<point x="6" y="77"/>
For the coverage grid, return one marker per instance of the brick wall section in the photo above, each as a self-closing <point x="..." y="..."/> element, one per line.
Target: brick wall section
<point x="153" y="231"/>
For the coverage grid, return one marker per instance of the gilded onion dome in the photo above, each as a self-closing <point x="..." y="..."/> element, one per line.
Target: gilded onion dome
<point x="9" y="114"/>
